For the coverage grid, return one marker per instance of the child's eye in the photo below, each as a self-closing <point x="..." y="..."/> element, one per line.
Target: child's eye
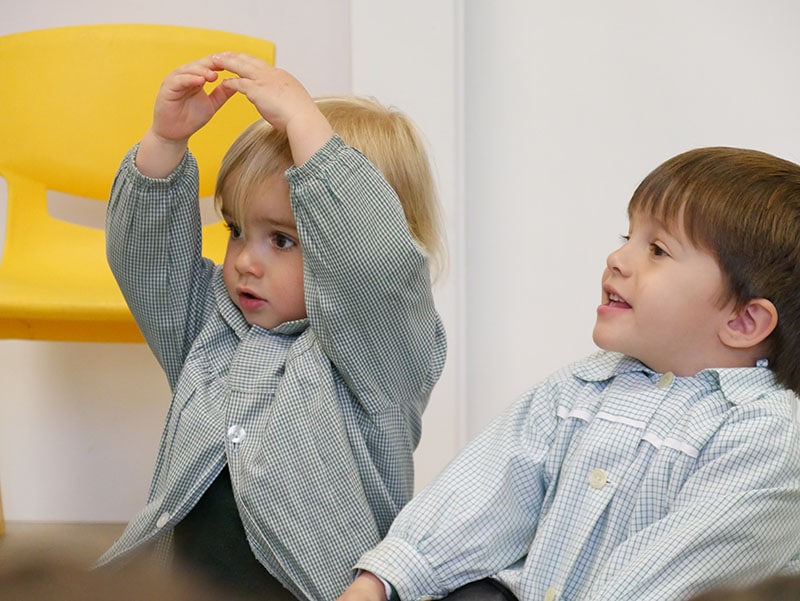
<point x="283" y="241"/>
<point x="658" y="251"/>
<point x="624" y="238"/>
<point x="236" y="233"/>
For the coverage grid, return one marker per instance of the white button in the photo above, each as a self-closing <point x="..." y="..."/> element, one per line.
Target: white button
<point x="598" y="478"/>
<point x="236" y="434"/>
<point x="550" y="594"/>
<point x="163" y="520"/>
<point x="666" y="380"/>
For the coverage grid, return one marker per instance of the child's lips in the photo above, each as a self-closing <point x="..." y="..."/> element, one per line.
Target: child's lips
<point x="615" y="300"/>
<point x="249" y="301"/>
<point x="612" y="298"/>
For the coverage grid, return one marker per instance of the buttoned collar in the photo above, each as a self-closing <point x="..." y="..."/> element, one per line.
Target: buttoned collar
<point x="738" y="384"/>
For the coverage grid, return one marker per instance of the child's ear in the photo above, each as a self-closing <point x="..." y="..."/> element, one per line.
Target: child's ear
<point x="750" y="325"/>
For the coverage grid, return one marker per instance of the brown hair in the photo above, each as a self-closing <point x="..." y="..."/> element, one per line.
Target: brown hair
<point x="742" y="206"/>
<point x="384" y="135"/>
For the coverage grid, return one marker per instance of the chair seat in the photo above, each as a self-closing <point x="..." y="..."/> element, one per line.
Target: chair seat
<point x="81" y="302"/>
<point x="90" y="309"/>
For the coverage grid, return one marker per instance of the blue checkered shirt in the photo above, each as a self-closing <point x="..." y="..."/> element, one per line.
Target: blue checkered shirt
<point x="316" y="419"/>
<point x="611" y="482"/>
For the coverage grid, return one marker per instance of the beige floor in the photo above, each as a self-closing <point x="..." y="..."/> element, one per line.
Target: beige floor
<point x="81" y="543"/>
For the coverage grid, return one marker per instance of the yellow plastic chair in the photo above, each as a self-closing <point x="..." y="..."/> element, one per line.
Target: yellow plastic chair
<point x="72" y="102"/>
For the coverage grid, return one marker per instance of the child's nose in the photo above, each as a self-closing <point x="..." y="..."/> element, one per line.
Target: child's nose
<point x="616" y="261"/>
<point x="247" y="261"/>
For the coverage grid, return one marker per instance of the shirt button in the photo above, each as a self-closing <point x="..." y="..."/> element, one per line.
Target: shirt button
<point x="163" y="520"/>
<point x="598" y="478"/>
<point x="666" y="380"/>
<point x="550" y="594"/>
<point x="236" y="434"/>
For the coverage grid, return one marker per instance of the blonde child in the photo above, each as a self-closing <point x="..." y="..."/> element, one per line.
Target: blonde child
<point x="665" y="464"/>
<point x="301" y="366"/>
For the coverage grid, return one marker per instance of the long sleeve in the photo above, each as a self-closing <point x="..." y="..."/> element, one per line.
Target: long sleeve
<point x="317" y="419"/>
<point x="153" y="244"/>
<point x="481" y="514"/>
<point x="368" y="291"/>
<point x="369" y="301"/>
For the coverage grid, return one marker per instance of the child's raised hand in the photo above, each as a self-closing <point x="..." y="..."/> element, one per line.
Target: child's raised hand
<point x="182" y="107"/>
<point x="280" y="98"/>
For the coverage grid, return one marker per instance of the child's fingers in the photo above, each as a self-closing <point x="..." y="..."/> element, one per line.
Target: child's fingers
<point x="190" y="80"/>
<point x="220" y="95"/>
<point x="243" y="65"/>
<point x="202" y="66"/>
<point x="191" y="75"/>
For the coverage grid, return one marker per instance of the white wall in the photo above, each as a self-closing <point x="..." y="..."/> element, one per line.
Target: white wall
<point x="568" y="106"/>
<point x="410" y="54"/>
<point x="80" y="423"/>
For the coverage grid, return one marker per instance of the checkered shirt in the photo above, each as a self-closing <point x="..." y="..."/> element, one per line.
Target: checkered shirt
<point x="317" y="419"/>
<point x="609" y="482"/>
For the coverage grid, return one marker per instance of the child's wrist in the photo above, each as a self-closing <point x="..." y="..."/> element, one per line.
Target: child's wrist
<point x="307" y="133"/>
<point x="372" y="587"/>
<point x="157" y="156"/>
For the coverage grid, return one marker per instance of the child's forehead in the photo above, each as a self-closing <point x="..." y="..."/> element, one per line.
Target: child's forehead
<point x="263" y="199"/>
<point x="654" y="216"/>
<point x="241" y="187"/>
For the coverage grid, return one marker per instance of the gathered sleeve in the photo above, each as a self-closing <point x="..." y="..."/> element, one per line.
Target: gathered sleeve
<point x="153" y="245"/>
<point x="480" y="515"/>
<point x="367" y="283"/>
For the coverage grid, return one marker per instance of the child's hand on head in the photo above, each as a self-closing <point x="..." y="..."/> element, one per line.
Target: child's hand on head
<point x="280" y="98"/>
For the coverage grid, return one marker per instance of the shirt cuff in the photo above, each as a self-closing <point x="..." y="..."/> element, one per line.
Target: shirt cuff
<point x="391" y="594"/>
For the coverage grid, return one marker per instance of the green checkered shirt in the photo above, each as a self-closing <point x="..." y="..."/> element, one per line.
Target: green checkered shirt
<point x="316" y="419"/>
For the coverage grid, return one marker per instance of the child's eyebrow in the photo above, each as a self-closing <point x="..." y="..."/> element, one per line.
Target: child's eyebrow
<point x="278" y="223"/>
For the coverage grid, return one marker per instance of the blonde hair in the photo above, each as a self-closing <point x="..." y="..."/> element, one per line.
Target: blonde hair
<point x="386" y="136"/>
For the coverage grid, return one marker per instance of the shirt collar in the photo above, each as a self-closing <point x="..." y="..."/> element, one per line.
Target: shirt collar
<point x="233" y="316"/>
<point x="737" y="384"/>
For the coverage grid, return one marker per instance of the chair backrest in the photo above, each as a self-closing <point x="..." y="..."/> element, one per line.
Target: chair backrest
<point x="74" y="100"/>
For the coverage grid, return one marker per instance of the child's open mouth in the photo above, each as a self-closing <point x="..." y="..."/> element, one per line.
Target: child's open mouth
<point x="617" y="301"/>
<point x="249" y="301"/>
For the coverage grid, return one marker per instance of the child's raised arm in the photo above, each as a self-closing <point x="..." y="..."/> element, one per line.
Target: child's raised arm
<point x="281" y="100"/>
<point x="182" y="107"/>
